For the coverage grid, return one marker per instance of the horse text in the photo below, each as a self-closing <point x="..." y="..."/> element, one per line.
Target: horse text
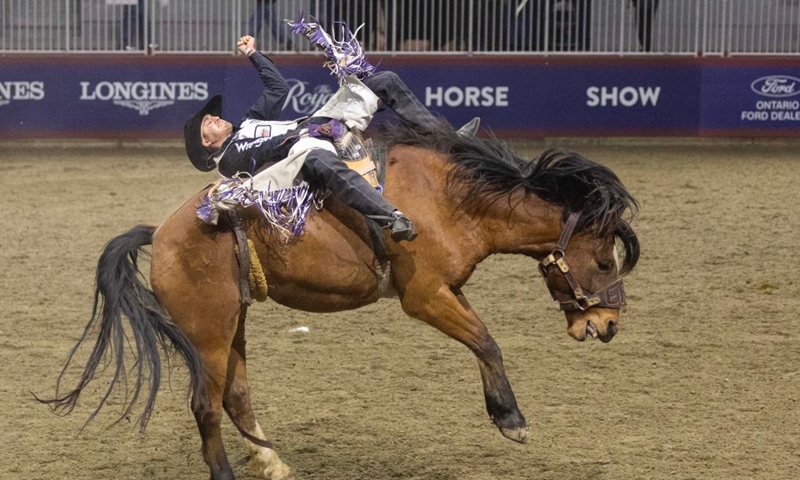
<point x="466" y="97"/>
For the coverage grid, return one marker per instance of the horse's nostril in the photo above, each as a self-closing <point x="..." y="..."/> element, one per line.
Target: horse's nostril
<point x="612" y="328"/>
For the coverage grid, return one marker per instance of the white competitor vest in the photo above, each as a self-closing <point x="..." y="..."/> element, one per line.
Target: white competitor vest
<point x="252" y="128"/>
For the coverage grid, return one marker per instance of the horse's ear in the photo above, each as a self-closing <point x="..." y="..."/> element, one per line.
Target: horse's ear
<point x="631" y="244"/>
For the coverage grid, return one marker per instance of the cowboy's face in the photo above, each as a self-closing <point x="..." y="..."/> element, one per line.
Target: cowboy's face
<point x="214" y="131"/>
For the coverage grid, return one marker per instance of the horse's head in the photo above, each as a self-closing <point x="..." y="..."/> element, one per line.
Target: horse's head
<point x="584" y="276"/>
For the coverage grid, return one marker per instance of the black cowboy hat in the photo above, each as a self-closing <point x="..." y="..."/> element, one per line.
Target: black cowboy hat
<point x="198" y="154"/>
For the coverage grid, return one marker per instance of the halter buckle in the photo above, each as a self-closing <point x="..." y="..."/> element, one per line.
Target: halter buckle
<point x="610" y="296"/>
<point x="562" y="265"/>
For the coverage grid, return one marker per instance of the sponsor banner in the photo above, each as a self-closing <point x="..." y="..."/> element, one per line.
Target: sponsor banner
<point x="92" y="100"/>
<point x="563" y="99"/>
<point x="110" y="97"/>
<point x="751" y="99"/>
<point x="77" y="99"/>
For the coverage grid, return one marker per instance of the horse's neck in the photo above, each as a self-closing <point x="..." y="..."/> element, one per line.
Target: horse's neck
<point x="522" y="224"/>
<point x="416" y="183"/>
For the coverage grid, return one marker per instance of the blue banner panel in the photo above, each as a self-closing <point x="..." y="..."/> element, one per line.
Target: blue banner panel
<point x="100" y="98"/>
<point x="751" y="99"/>
<point x="151" y="97"/>
<point x="567" y="98"/>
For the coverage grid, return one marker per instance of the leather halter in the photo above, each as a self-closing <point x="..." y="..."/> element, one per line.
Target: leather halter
<point x="610" y="296"/>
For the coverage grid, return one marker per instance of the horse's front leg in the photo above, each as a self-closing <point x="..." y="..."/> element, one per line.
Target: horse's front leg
<point x="448" y="311"/>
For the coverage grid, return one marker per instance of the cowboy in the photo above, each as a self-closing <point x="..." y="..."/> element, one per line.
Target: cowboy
<point x="260" y="139"/>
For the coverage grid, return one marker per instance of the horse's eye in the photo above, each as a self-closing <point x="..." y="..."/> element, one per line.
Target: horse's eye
<point x="604" y="267"/>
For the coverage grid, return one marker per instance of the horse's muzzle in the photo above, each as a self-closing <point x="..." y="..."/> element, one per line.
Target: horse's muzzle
<point x="602" y="324"/>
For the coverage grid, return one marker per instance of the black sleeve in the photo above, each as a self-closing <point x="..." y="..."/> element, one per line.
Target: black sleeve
<point x="270" y="103"/>
<point x="249" y="155"/>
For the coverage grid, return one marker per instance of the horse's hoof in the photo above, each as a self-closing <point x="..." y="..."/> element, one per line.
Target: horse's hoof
<point x="279" y="474"/>
<point x="513" y="426"/>
<point x="519" y="435"/>
<point x="270" y="467"/>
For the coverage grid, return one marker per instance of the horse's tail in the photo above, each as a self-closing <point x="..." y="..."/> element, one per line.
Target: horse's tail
<point x="122" y="291"/>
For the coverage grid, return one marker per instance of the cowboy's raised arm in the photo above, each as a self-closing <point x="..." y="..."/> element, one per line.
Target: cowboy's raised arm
<point x="276" y="89"/>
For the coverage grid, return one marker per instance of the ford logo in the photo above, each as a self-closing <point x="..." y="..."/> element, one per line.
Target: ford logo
<point x="776" y="86"/>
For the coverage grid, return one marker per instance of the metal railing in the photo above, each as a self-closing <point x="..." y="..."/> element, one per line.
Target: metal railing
<point x="532" y="27"/>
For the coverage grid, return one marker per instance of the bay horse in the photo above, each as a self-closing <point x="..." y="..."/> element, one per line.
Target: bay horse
<point x="469" y="198"/>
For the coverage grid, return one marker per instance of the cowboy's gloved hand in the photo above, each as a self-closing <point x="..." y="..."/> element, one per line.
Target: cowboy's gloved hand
<point x="323" y="127"/>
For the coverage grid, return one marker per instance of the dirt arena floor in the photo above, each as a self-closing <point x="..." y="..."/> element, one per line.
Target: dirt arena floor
<point x="702" y="382"/>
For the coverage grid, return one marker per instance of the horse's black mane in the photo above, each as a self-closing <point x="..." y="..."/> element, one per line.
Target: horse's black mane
<point x="488" y="171"/>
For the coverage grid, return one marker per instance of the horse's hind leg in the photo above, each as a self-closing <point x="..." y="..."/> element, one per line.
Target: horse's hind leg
<point x="194" y="277"/>
<point x="264" y="461"/>
<point x="208" y="423"/>
<point x="210" y="325"/>
<point x="212" y="340"/>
